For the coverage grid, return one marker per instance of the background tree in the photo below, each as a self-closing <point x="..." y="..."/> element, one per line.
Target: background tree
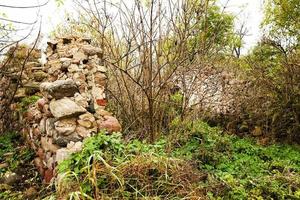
<point x="152" y="48"/>
<point x="273" y="71"/>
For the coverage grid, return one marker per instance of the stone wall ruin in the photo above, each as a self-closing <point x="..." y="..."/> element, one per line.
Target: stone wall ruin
<point x="72" y="106"/>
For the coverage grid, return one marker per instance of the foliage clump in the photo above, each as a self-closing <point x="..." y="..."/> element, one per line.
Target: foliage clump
<point x="25" y="102"/>
<point x="249" y="170"/>
<point x="110" y="168"/>
<point x="202" y="162"/>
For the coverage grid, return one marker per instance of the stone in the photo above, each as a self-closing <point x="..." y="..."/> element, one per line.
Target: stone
<point x="39" y="76"/>
<point x="65" y="63"/>
<point x="62" y="76"/>
<point x="75" y="146"/>
<point x="54" y="66"/>
<point x="84" y="123"/>
<point x="49" y="126"/>
<point x="60" y="88"/>
<point x="86" y="120"/>
<point x="98" y="94"/>
<point x="52" y="56"/>
<point x="87" y="117"/>
<point x="79" y="78"/>
<point x="65" y="126"/>
<point x="100" y="79"/>
<point x="64" y="108"/>
<point x="110" y="123"/>
<point x="91" y="50"/>
<point x="33" y="114"/>
<point x="62" y="141"/>
<point x="64" y="59"/>
<point x="64" y="153"/>
<point x="73" y="68"/>
<point x="80" y="100"/>
<point x="79" y="56"/>
<point x="41" y="103"/>
<point x="21" y="93"/>
<point x="83" y="132"/>
<point x="103" y="112"/>
<point x="33" y="65"/>
<point x="63" y="53"/>
<point x="101" y="68"/>
<point x="47" y="145"/>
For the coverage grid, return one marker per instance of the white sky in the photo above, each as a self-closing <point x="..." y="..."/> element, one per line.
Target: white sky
<point x="248" y="11"/>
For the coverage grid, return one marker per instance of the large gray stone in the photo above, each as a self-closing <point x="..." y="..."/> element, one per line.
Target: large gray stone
<point x="60" y="88"/>
<point x="64" y="108"/>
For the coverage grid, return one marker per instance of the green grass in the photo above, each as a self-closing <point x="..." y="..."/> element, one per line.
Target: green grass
<point x="16" y="156"/>
<point x="249" y="170"/>
<point x="12" y="153"/>
<point x="194" y="160"/>
<point x="24" y="104"/>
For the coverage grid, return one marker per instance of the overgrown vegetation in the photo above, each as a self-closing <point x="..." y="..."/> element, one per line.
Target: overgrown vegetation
<point x="25" y="102"/>
<point x="17" y="172"/>
<point x="202" y="163"/>
<point x="157" y="54"/>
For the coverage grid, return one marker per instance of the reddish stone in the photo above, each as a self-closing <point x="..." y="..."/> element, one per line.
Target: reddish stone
<point x="101" y="102"/>
<point x="111" y="124"/>
<point x="41" y="103"/>
<point x="48" y="175"/>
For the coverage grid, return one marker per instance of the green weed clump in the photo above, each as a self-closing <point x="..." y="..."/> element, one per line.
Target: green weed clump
<point x="14" y="157"/>
<point x="249" y="170"/>
<point x="195" y="161"/>
<point x="11" y="154"/>
<point x="24" y="104"/>
<point x="108" y="167"/>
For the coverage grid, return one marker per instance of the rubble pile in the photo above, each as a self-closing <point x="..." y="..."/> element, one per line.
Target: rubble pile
<point x="72" y="106"/>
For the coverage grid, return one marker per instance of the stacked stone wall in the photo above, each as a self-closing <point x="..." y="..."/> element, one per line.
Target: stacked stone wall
<point x="72" y="106"/>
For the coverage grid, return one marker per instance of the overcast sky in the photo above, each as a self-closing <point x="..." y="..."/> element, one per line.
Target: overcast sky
<point x="248" y="11"/>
